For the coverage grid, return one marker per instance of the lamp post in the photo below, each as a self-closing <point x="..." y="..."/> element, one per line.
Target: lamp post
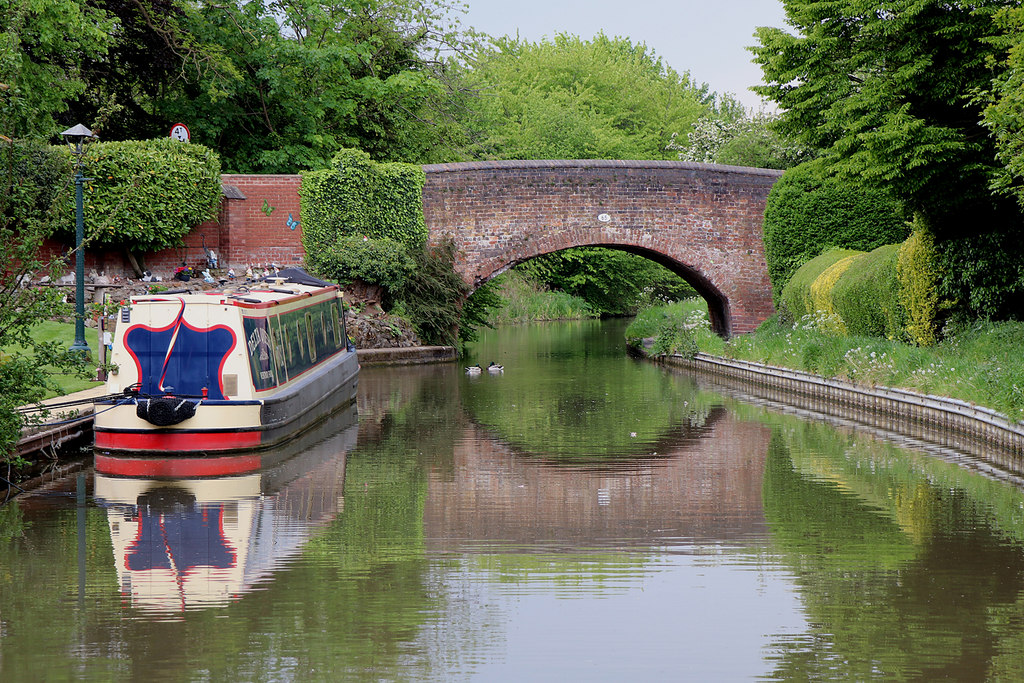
<point x="76" y="138"/>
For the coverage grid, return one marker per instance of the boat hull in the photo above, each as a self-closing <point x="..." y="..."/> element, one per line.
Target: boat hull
<point x="254" y="424"/>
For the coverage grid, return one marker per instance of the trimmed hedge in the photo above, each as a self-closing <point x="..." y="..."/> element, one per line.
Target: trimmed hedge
<point x="867" y="297"/>
<point x="890" y="292"/>
<point x="146" y="195"/>
<point x="808" y="213"/>
<point x="798" y="297"/>
<point x="360" y="197"/>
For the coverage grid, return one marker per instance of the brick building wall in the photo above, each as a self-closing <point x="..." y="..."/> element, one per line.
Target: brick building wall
<point x="258" y="222"/>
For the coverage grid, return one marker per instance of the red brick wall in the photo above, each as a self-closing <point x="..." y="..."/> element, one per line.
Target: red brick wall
<point x="242" y="234"/>
<point x="703" y="221"/>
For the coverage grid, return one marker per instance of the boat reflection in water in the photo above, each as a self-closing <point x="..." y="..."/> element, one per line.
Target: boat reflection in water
<point x="197" y="532"/>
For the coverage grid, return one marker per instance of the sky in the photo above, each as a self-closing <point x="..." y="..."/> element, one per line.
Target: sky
<point x="705" y="37"/>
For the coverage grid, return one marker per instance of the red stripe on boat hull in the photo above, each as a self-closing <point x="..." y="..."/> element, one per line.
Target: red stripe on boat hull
<point x="176" y="467"/>
<point x="164" y="442"/>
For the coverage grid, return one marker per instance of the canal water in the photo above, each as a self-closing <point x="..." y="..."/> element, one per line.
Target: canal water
<point x="582" y="515"/>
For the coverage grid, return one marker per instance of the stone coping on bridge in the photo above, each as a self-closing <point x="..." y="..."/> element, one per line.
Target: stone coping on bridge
<point x="975" y="430"/>
<point x="596" y="163"/>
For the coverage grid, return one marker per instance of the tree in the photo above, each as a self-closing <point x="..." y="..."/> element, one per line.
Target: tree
<point x="1004" y="114"/>
<point x="43" y="44"/>
<point x="889" y="94"/>
<point x="33" y="182"/>
<point x="746" y="139"/>
<point x="570" y="98"/>
<point x="299" y="79"/>
<point x="144" y="60"/>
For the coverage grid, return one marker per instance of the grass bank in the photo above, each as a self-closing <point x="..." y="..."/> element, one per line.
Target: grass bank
<point x="525" y="301"/>
<point x="982" y="363"/>
<point x="64" y="334"/>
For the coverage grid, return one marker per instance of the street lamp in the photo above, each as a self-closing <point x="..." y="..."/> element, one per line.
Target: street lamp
<point x="76" y="138"/>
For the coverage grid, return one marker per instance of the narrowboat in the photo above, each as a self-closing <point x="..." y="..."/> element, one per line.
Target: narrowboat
<point x="236" y="368"/>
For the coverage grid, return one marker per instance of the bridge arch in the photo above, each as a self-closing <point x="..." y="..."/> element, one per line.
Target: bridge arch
<point x="702" y="221"/>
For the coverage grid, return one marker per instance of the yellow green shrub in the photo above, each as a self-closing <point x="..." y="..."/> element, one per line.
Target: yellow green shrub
<point x="822" y="288"/>
<point x="918" y="274"/>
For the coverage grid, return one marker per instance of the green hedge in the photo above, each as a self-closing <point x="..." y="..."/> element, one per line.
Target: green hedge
<point x="147" y="194"/>
<point x="867" y="296"/>
<point x="891" y="292"/>
<point x="798" y="295"/>
<point x="360" y="197"/>
<point x="808" y="213"/>
<point x="380" y="261"/>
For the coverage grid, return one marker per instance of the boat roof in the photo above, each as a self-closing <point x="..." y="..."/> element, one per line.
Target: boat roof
<point x="252" y="294"/>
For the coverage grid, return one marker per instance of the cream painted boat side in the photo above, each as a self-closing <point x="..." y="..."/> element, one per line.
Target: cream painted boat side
<point x="207" y="418"/>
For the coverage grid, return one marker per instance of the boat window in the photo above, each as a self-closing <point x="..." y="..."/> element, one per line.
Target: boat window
<point x="301" y="342"/>
<point x="310" y="337"/>
<point x="279" y="350"/>
<point x="337" y="326"/>
<point x="288" y="345"/>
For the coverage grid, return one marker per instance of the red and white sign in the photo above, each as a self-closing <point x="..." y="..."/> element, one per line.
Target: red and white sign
<point x="179" y="131"/>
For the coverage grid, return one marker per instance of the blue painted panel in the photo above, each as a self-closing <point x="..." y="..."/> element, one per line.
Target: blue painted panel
<point x="180" y="359"/>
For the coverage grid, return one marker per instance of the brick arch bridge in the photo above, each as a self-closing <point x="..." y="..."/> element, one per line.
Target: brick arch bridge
<point x="702" y="221"/>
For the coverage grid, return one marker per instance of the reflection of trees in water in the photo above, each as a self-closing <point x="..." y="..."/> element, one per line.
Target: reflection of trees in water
<point x="593" y="418"/>
<point x="899" y="574"/>
<point x="685" y="434"/>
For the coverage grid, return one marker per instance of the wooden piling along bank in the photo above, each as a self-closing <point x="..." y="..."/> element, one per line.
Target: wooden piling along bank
<point x="970" y="429"/>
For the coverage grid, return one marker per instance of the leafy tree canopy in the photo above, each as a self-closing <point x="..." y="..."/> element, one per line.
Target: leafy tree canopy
<point x="43" y="44"/>
<point x="570" y="98"/>
<point x="1004" y="114"/>
<point x="894" y="95"/>
<point x="742" y="139"/>
<point x="888" y="91"/>
<point x="295" y="80"/>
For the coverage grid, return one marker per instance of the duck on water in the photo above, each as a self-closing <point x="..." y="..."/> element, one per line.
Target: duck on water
<point x="493" y="369"/>
<point x="228" y="369"/>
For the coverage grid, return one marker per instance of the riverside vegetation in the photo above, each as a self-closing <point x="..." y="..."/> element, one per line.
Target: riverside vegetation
<point x="979" y="362"/>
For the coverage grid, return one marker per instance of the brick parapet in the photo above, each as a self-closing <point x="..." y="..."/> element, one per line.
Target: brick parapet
<point x="703" y="221"/>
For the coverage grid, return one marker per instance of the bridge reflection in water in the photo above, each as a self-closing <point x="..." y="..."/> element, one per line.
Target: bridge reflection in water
<point x="184" y="542"/>
<point x="705" y="487"/>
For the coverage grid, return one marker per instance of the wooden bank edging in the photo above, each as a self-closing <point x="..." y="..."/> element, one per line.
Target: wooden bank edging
<point x="950" y="421"/>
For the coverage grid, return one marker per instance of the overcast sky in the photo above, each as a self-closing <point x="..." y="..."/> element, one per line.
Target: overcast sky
<point x="705" y="37"/>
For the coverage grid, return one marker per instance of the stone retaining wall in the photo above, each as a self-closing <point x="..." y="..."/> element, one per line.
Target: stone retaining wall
<point x="407" y="356"/>
<point x="971" y="429"/>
